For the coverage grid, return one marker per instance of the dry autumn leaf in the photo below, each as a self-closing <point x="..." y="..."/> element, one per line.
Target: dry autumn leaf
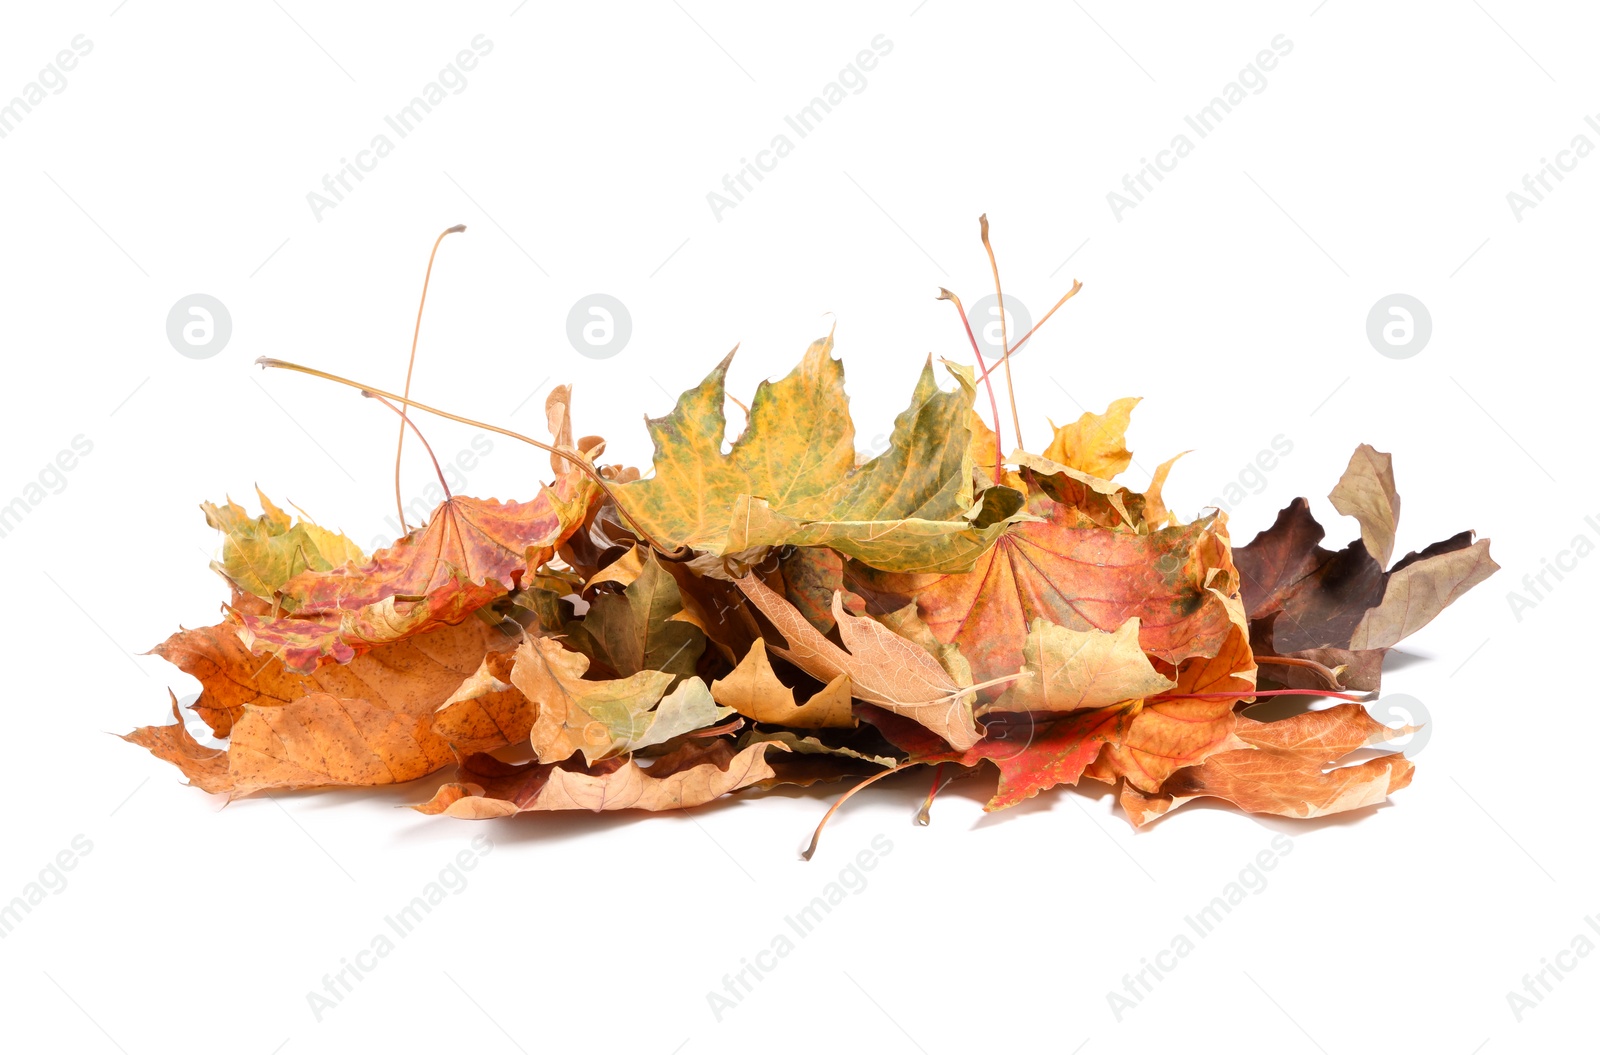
<point x="1095" y="444"/>
<point x="691" y="776"/>
<point x="318" y="740"/>
<point x="603" y="718"/>
<point x="634" y="631"/>
<point x="883" y="667"/>
<point x="413" y="675"/>
<point x="1076" y="670"/>
<point x="261" y="554"/>
<point x="1084" y="578"/>
<point x="1281" y="767"/>
<point x="753" y="689"/>
<point x="791" y="478"/>
<point x="1310" y="607"/>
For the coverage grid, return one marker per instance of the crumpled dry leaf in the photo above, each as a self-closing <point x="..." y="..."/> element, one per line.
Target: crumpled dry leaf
<point x="1169" y="734"/>
<point x="1341" y="609"/>
<point x="692" y="775"/>
<point x="1032" y="752"/>
<point x="1279" y="767"/>
<point x="792" y="478"/>
<point x="1095" y="444"/>
<point x="318" y="740"/>
<point x="622" y="571"/>
<point x="486" y="711"/>
<point x="1079" y="577"/>
<point x="603" y="718"/>
<point x="634" y="631"/>
<point x="1075" y="670"/>
<point x="753" y="689"/>
<point x="414" y="675"/>
<point x="261" y="554"/>
<point x="1418" y="590"/>
<point x="883" y="667"/>
<point x="811" y="745"/>
<point x="1366" y="492"/>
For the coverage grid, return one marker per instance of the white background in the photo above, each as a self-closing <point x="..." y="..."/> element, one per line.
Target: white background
<point x="1233" y="299"/>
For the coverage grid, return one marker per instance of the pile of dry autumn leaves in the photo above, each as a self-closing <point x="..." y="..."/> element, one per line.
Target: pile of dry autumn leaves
<point x="791" y="612"/>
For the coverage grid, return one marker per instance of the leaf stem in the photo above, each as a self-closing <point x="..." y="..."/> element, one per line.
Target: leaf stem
<point x="994" y="406"/>
<point x="1076" y="285"/>
<point x="816" y="835"/>
<point x="927" y="803"/>
<point x="1365" y="697"/>
<point x="1309" y="664"/>
<point x="411" y="365"/>
<point x="1003" y="679"/>
<point x="423" y="439"/>
<point x="1005" y="342"/>
<point x="571" y="455"/>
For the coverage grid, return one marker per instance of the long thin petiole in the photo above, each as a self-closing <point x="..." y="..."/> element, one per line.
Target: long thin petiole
<point x="927" y="803"/>
<point x="420" y="437"/>
<point x="1076" y="285"/>
<point x="816" y="835"/>
<point x="1002" y="680"/>
<point x="994" y="407"/>
<point x="411" y="365"/>
<point x="1005" y="341"/>
<point x="1365" y="697"/>
<point x="571" y="455"/>
<point x="1322" y="671"/>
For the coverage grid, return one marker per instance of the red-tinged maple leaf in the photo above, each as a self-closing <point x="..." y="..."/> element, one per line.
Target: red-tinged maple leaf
<point x="1175" y="580"/>
<point x="1032" y="752"/>
<point x="1169" y="734"/>
<point x="470" y="552"/>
